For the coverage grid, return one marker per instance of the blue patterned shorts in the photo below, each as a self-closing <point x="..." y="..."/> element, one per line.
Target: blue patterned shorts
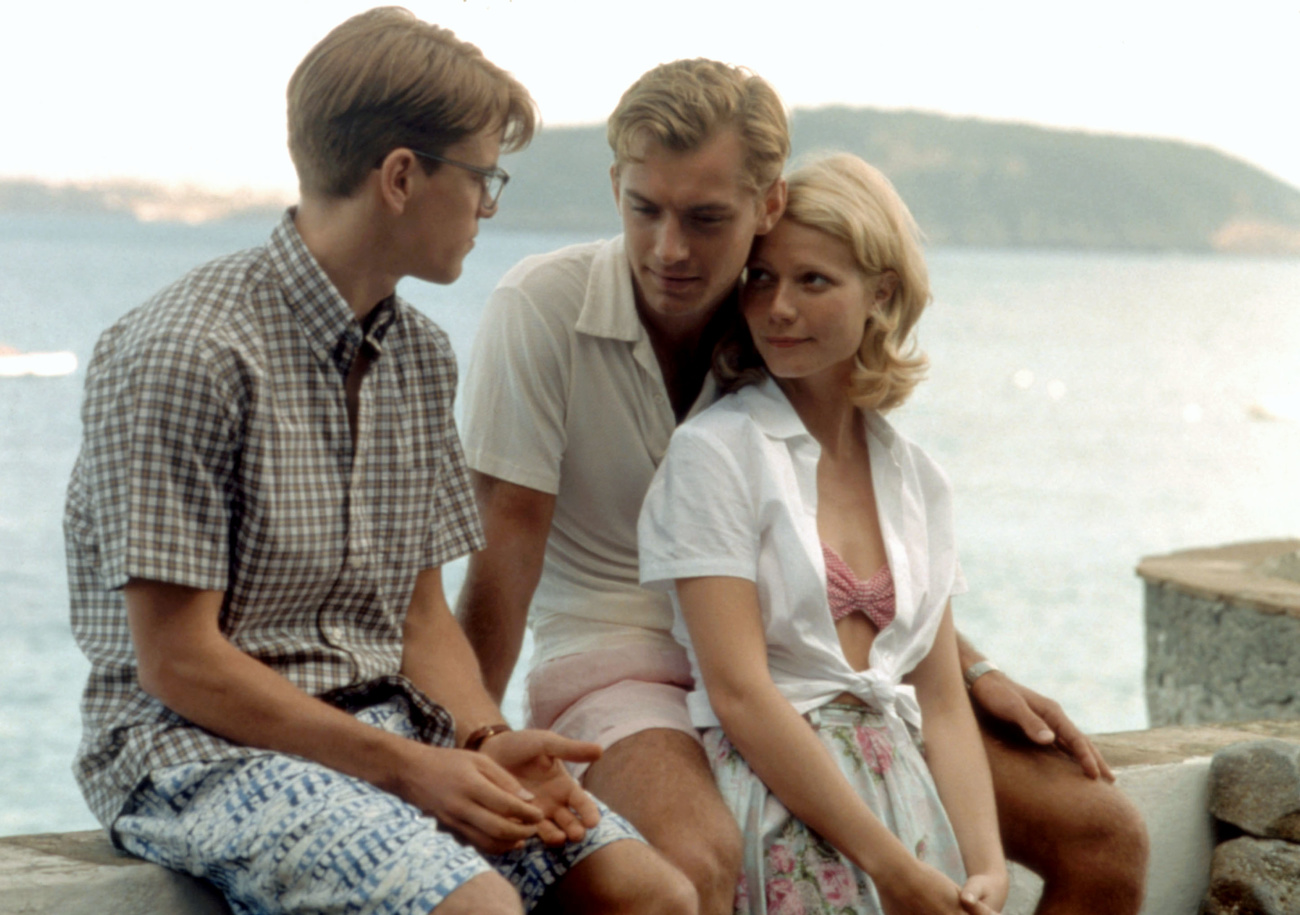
<point x="280" y="834"/>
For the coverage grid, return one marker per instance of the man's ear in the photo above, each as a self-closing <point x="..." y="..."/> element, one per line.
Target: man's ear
<point x="613" y="183"/>
<point x="397" y="177"/>
<point x="773" y="205"/>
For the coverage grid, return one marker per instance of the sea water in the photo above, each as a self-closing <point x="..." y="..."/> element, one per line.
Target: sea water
<point x="1089" y="408"/>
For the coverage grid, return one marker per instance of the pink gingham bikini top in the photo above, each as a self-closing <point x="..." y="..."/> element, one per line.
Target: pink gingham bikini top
<point x="874" y="597"/>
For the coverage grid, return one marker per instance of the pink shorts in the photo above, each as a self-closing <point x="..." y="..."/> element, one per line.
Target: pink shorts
<point x="604" y="696"/>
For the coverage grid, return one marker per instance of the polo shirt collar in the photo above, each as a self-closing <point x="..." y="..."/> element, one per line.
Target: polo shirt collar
<point x="332" y="330"/>
<point x="609" y="308"/>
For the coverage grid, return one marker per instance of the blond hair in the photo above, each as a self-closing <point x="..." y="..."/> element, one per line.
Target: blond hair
<point x="853" y="203"/>
<point x="681" y="105"/>
<point x="385" y="79"/>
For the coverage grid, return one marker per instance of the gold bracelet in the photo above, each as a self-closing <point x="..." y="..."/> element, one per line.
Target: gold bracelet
<point x="476" y="738"/>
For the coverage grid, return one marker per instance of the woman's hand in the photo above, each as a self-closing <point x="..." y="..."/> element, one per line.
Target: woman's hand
<point x="985" y="892"/>
<point x="920" y="889"/>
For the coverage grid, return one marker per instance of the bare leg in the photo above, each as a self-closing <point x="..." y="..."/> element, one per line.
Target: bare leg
<point x="486" y="894"/>
<point x="628" y="877"/>
<point x="660" y="780"/>
<point x="1082" y="836"/>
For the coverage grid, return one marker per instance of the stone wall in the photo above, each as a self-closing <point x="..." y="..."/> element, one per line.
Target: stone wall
<point x="1223" y="633"/>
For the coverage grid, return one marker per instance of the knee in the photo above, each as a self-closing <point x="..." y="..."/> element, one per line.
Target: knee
<point x="671" y="894"/>
<point x="1123" y="849"/>
<point x="710" y="858"/>
<point x="485" y="894"/>
<point x="1102" y="854"/>
<point x="627" y="877"/>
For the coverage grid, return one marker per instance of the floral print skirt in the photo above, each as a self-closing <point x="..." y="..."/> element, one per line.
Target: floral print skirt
<point x="791" y="870"/>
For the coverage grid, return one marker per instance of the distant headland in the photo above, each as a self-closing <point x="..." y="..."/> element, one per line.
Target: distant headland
<point x="969" y="182"/>
<point x="142" y="200"/>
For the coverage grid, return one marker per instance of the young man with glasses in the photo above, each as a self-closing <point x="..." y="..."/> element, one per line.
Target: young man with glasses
<point x="269" y="482"/>
<point x="586" y="360"/>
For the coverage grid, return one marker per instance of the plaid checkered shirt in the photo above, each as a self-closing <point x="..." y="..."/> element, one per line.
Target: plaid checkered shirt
<point x="217" y="454"/>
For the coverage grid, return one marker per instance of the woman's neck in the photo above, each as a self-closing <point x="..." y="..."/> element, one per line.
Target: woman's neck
<point x="824" y="407"/>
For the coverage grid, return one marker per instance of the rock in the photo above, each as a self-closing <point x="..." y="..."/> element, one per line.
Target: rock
<point x="1254" y="877"/>
<point x="1255" y="786"/>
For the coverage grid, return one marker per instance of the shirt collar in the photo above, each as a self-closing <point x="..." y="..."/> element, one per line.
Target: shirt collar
<point x="771" y="410"/>
<point x="776" y="417"/>
<point x="332" y="330"/>
<point x="609" y="308"/>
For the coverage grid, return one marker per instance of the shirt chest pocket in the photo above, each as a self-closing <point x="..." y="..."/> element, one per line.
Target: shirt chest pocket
<point x="399" y="488"/>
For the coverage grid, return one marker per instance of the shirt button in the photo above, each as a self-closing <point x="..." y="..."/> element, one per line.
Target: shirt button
<point x="334" y="633"/>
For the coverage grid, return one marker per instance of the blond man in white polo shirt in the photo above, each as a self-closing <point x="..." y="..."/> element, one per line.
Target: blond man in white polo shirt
<point x="586" y="360"/>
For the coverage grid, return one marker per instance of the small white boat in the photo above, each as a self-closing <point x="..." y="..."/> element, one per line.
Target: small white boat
<point x="42" y="365"/>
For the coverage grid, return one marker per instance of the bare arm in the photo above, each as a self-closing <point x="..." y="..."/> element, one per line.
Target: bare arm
<point x="499" y="585"/>
<point x="437" y="657"/>
<point x="1041" y="719"/>
<point x="186" y="663"/>
<point x="722" y="615"/>
<point x="955" y="755"/>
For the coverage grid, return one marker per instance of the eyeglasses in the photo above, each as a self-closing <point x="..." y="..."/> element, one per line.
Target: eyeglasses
<point x="494" y="178"/>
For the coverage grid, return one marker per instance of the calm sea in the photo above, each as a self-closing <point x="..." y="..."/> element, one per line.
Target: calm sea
<point x="1090" y="409"/>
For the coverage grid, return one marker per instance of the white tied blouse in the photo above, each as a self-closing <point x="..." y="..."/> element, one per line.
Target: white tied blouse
<point x="736" y="496"/>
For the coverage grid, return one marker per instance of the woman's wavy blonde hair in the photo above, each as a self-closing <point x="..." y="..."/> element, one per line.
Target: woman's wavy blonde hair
<point x="854" y="203"/>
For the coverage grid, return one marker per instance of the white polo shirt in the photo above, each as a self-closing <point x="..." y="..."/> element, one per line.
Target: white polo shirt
<point x="563" y="394"/>
<point x="737" y="496"/>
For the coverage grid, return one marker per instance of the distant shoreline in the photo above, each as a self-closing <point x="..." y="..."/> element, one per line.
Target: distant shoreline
<point x="1242" y="240"/>
<point x="970" y="183"/>
<point x="143" y="201"/>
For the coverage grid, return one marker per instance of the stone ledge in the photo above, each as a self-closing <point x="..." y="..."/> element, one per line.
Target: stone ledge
<point x="1258" y="575"/>
<point x="1179" y="743"/>
<point x="80" y="873"/>
<point x="1164" y="771"/>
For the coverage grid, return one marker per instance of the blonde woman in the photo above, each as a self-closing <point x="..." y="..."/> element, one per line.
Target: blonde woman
<point x="809" y="551"/>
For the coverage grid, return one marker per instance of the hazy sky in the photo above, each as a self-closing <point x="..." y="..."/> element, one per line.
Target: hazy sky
<point x="183" y="91"/>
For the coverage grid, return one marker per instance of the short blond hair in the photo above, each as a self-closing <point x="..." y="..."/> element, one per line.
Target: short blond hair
<point x="384" y="80"/>
<point x="682" y="105"/>
<point x="853" y="203"/>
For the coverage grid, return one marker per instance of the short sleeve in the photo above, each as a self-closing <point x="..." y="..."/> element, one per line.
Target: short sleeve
<point x="166" y="429"/>
<point x="457" y="530"/>
<point x="959" y="585"/>
<point x="699" y="517"/>
<point x="428" y="385"/>
<point x="514" y="397"/>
